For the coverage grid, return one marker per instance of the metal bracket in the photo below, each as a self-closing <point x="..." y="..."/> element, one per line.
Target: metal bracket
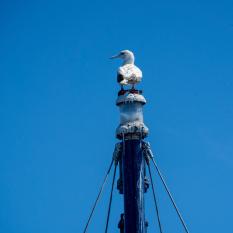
<point x="121" y="224"/>
<point x="146" y="224"/>
<point x="117" y="152"/>
<point x="146" y="184"/>
<point x="147" y="152"/>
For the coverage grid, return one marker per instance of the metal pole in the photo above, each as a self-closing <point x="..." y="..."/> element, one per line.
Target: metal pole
<point x="133" y="166"/>
<point x="132" y="163"/>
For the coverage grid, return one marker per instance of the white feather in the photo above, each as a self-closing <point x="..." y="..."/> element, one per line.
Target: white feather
<point x="131" y="73"/>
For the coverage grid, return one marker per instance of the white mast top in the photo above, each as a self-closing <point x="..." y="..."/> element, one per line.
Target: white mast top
<point x="130" y="102"/>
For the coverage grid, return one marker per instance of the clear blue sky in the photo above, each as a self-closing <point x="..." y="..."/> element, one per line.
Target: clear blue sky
<point x="58" y="113"/>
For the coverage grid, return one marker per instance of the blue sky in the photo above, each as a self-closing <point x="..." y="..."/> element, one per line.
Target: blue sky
<point x="58" y="113"/>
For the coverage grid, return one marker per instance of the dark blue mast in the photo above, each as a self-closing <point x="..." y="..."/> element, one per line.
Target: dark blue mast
<point x="132" y="183"/>
<point x="132" y="155"/>
<point x="133" y="186"/>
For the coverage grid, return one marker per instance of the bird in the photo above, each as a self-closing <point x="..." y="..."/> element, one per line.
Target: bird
<point x="128" y="72"/>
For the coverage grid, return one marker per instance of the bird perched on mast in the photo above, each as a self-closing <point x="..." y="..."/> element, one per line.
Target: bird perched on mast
<point x="128" y="73"/>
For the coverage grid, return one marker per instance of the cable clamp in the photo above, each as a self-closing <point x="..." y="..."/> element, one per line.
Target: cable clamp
<point x="117" y="152"/>
<point x="147" y="152"/>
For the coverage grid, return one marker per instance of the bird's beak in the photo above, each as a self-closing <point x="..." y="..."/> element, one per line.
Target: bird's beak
<point x="116" y="56"/>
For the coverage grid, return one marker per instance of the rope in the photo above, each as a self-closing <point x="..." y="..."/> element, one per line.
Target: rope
<point x="110" y="200"/>
<point x="170" y="196"/>
<point x="98" y="196"/>
<point x="155" y="200"/>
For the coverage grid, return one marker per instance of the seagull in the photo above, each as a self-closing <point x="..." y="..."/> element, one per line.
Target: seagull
<point x="128" y="73"/>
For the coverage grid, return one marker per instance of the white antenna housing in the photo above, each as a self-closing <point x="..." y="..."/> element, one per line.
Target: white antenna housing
<point x="131" y="116"/>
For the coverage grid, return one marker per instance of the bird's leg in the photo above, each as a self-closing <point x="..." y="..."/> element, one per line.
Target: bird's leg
<point x="122" y="91"/>
<point x="133" y="87"/>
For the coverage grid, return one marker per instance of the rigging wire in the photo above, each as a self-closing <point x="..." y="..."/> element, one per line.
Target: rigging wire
<point x="110" y="200"/>
<point x="170" y="196"/>
<point x="155" y="199"/>
<point x="98" y="196"/>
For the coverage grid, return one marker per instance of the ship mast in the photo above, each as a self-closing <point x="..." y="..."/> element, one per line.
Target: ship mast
<point x="132" y="154"/>
<point x="132" y="182"/>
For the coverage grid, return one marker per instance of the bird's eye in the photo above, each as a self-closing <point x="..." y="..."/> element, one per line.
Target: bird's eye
<point x="122" y="53"/>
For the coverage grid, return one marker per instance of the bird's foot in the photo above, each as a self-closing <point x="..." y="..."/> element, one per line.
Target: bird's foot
<point x="134" y="91"/>
<point x="122" y="92"/>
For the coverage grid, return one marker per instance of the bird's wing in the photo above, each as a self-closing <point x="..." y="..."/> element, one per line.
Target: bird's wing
<point x="121" y="70"/>
<point x="138" y="72"/>
<point x="126" y="71"/>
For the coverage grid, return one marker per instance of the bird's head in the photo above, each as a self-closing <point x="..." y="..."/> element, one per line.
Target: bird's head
<point x="126" y="55"/>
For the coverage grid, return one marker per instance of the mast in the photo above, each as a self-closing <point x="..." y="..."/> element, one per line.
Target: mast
<point x="133" y="155"/>
<point x="132" y="182"/>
